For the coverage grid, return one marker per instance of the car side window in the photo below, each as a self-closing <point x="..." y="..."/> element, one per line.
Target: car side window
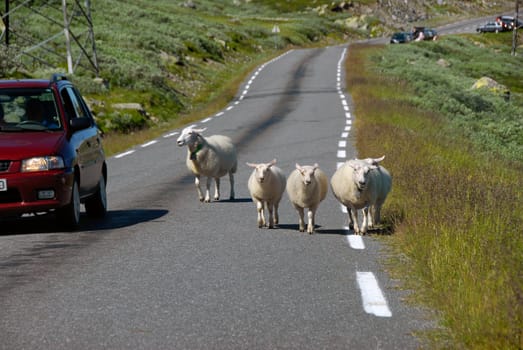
<point x="74" y="106"/>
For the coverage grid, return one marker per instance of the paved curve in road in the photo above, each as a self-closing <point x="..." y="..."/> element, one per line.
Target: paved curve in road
<point x="165" y="271"/>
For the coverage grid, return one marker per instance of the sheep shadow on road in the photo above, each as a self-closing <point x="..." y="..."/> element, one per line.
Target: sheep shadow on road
<point x="235" y="200"/>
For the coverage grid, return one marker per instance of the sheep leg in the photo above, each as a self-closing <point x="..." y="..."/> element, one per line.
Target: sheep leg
<point x="351" y="221"/>
<point x="207" y="189"/>
<point x="270" y="208"/>
<point x="353" y="216"/>
<point x="216" y="188"/>
<point x="198" y="189"/>
<point x="300" y="218"/>
<point x="377" y="214"/>
<point x="261" y="216"/>
<point x="231" y="181"/>
<point x="370" y="217"/>
<point x="364" y="224"/>
<point x="310" y="216"/>
<point x="276" y="217"/>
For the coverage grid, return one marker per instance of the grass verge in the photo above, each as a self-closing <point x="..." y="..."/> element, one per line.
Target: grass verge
<point x="456" y="210"/>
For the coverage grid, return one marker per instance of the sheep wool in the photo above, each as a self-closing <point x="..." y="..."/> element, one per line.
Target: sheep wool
<point x="307" y="186"/>
<point x="362" y="184"/>
<point x="266" y="186"/>
<point x="213" y="156"/>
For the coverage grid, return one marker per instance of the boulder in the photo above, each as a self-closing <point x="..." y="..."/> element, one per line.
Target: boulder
<point x="490" y="84"/>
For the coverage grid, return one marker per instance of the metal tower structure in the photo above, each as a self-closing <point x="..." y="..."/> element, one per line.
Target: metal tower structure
<point x="67" y="37"/>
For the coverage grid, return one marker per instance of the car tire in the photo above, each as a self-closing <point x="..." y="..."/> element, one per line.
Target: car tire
<point x="68" y="217"/>
<point x="96" y="206"/>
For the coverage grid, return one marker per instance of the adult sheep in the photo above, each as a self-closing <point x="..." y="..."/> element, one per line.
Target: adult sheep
<point x="266" y="185"/>
<point x="307" y="186"/>
<point x="212" y="156"/>
<point x="362" y="184"/>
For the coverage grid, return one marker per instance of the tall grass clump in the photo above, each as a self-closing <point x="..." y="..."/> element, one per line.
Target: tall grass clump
<point x="456" y="208"/>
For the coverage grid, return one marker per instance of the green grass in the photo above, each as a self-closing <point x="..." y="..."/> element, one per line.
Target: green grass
<point x="486" y="118"/>
<point x="456" y="208"/>
<point x="169" y="58"/>
<point x="173" y="59"/>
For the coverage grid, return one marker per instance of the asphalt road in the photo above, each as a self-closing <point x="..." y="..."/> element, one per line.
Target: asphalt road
<point x="164" y="271"/>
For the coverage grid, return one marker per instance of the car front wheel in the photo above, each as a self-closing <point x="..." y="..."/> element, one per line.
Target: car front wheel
<point x="96" y="206"/>
<point x="68" y="217"/>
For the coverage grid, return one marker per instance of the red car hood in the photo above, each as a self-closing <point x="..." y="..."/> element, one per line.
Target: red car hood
<point x="22" y="145"/>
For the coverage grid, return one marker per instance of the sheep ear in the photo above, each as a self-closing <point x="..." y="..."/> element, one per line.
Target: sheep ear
<point x="199" y="130"/>
<point x="298" y="167"/>
<point x="252" y="165"/>
<point x="188" y="129"/>
<point x="376" y="161"/>
<point x="271" y="163"/>
<point x="316" y="166"/>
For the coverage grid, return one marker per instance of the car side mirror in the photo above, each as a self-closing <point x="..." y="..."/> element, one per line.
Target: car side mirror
<point x="80" y="124"/>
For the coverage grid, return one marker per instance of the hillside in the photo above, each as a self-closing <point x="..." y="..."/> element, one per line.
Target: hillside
<point x="172" y="57"/>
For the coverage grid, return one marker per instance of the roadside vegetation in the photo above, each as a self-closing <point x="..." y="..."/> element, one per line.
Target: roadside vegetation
<point x="456" y="155"/>
<point x="178" y="60"/>
<point x="170" y="57"/>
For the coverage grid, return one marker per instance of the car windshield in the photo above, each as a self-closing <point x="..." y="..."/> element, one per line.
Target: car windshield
<point x="28" y="110"/>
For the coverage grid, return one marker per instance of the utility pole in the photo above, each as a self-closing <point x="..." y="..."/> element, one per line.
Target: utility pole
<point x="515" y="30"/>
<point x="6" y="22"/>
<point x="79" y="50"/>
<point x="67" y="39"/>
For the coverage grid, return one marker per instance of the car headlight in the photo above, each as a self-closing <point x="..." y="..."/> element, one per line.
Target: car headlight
<point x="42" y="163"/>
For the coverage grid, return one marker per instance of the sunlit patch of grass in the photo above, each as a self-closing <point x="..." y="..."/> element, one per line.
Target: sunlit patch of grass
<point x="455" y="211"/>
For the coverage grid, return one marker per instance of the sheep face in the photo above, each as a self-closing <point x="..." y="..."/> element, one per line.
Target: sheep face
<point x="189" y="137"/>
<point x="307" y="173"/>
<point x="261" y="170"/>
<point x="360" y="173"/>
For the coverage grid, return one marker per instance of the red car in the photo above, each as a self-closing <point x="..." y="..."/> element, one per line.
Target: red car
<point x="51" y="153"/>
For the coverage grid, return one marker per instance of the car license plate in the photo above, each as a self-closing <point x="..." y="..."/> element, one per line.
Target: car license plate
<point x="3" y="185"/>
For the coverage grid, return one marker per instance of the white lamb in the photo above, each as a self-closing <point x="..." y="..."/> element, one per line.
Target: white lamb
<point x="362" y="184"/>
<point x="212" y="156"/>
<point x="266" y="185"/>
<point x="307" y="186"/>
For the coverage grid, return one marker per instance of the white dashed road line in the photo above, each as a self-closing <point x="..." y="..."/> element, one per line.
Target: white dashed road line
<point x="150" y="143"/>
<point x="372" y="297"/>
<point x="373" y="300"/>
<point x="355" y="241"/>
<point x="124" y="154"/>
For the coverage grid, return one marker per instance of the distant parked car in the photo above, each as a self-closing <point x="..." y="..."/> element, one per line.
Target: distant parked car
<point x="422" y="33"/>
<point x="51" y="155"/>
<point x="492" y="27"/>
<point x="401" y="38"/>
<point x="508" y="22"/>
